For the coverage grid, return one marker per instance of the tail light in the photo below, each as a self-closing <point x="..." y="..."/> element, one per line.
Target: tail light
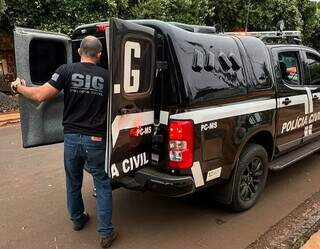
<point x="101" y="27"/>
<point x="181" y="139"/>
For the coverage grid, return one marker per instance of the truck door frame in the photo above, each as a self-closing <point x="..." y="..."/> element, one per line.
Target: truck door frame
<point x="131" y="50"/>
<point x="292" y="102"/>
<point x="315" y="91"/>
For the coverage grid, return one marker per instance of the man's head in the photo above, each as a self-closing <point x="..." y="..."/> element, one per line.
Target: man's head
<point x="90" y="49"/>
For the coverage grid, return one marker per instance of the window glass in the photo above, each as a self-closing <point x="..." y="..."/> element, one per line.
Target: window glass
<point x="45" y="57"/>
<point x="136" y="57"/>
<point x="259" y="60"/>
<point x="313" y="72"/>
<point x="223" y="80"/>
<point x="289" y="67"/>
<point x="104" y="56"/>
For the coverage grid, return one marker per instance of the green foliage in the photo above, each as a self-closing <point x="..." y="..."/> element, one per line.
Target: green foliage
<point x="186" y="11"/>
<point x="61" y="15"/>
<point x="2" y="7"/>
<point x="310" y="19"/>
<point x="65" y="15"/>
<point x="261" y="15"/>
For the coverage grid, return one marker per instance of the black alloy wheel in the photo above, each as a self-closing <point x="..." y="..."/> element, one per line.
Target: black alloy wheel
<point x="250" y="177"/>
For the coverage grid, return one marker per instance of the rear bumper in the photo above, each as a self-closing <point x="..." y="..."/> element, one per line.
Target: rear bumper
<point x="165" y="184"/>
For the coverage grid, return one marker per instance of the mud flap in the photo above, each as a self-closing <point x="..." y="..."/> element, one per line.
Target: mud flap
<point x="223" y="192"/>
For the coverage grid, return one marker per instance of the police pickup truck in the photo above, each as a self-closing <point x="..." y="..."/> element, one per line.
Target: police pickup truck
<point x="188" y="108"/>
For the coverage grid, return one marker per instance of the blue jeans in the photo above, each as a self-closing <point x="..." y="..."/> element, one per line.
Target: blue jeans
<point x="78" y="150"/>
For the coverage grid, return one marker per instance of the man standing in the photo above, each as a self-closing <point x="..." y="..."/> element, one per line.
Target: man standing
<point x="84" y="121"/>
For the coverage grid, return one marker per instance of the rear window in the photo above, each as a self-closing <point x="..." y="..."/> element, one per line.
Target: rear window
<point x="45" y="57"/>
<point x="140" y="66"/>
<point x="259" y="62"/>
<point x="211" y="67"/>
<point x="104" y="56"/>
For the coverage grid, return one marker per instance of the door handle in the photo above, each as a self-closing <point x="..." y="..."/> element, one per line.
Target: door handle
<point x="123" y="111"/>
<point x="315" y="97"/>
<point x="286" y="101"/>
<point x="126" y="109"/>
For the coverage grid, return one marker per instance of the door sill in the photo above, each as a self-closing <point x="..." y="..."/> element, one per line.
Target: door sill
<point x="294" y="156"/>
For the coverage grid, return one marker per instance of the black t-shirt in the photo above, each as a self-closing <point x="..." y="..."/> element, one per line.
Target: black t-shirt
<point x="85" y="97"/>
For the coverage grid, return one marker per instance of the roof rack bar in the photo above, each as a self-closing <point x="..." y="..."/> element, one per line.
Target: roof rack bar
<point x="274" y="37"/>
<point x="268" y="33"/>
<point x="268" y="37"/>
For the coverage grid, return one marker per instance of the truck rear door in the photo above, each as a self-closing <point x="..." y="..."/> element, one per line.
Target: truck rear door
<point x="38" y="54"/>
<point x="132" y="55"/>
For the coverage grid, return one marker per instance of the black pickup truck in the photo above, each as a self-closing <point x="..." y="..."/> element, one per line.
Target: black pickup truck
<point x="189" y="109"/>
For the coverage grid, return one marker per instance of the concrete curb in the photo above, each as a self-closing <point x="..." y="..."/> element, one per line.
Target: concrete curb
<point x="295" y="229"/>
<point x="9" y="118"/>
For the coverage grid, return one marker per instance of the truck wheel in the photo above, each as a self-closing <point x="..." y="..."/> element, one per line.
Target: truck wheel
<point x="250" y="178"/>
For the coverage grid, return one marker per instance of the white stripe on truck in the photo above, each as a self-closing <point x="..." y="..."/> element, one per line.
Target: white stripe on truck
<point x="226" y="111"/>
<point x="127" y="121"/>
<point x="197" y="174"/>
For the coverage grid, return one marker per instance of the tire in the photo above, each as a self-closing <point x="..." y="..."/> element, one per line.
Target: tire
<point x="250" y="178"/>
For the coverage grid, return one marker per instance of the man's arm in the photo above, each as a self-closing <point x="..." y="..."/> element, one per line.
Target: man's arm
<point x="38" y="93"/>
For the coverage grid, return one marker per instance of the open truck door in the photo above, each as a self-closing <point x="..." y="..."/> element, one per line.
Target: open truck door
<point x="132" y="64"/>
<point x="38" y="54"/>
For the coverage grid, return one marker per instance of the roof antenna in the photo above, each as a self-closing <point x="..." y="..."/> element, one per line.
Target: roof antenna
<point x="280" y="26"/>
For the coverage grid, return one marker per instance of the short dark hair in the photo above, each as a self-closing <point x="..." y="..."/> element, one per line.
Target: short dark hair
<point x="90" y="46"/>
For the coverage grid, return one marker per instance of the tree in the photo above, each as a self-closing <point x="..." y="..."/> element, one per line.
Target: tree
<point x="260" y="15"/>
<point x="61" y="15"/>
<point x="187" y="11"/>
<point x="314" y="38"/>
<point x="65" y="15"/>
<point x="310" y="18"/>
<point x="2" y="7"/>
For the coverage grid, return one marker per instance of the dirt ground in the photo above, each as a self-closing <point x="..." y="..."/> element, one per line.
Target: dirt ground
<point x="8" y="103"/>
<point x="33" y="212"/>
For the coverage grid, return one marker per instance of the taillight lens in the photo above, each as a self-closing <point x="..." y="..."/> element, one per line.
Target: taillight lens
<point x="181" y="139"/>
<point x="101" y="27"/>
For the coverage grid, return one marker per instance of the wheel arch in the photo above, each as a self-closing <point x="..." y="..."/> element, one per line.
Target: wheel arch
<point x="265" y="139"/>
